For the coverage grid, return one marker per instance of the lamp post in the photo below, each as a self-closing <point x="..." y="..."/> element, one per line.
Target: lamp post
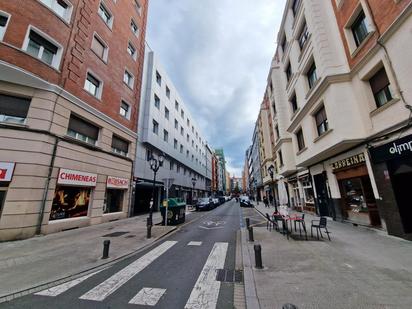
<point x="271" y="170"/>
<point x="155" y="164"/>
<point x="193" y="188"/>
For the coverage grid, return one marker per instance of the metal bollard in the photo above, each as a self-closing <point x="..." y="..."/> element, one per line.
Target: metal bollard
<point x="149" y="231"/>
<point x="106" y="246"/>
<point x="289" y="306"/>
<point x="251" y="234"/>
<point x="247" y="223"/>
<point x="258" y="256"/>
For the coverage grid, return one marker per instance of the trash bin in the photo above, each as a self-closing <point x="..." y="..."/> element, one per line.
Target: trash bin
<point x="176" y="212"/>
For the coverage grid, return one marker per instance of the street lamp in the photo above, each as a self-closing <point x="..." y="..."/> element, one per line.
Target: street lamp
<point x="155" y="164"/>
<point x="271" y="170"/>
<point x="193" y="188"/>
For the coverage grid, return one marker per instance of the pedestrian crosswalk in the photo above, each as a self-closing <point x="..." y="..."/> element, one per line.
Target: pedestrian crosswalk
<point x="204" y="294"/>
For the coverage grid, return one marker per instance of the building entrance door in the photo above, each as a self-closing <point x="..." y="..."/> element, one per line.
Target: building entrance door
<point x="322" y="194"/>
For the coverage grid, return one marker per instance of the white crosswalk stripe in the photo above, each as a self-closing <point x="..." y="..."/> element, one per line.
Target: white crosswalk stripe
<point x="147" y="297"/>
<point x="109" y="286"/>
<point x="61" y="288"/>
<point x="206" y="290"/>
<point x="195" y="243"/>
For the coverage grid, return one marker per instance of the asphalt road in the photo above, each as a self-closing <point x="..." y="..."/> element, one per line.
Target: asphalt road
<point x="177" y="272"/>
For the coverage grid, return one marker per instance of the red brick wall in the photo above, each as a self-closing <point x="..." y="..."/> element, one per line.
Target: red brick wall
<point x="77" y="58"/>
<point x="384" y="13"/>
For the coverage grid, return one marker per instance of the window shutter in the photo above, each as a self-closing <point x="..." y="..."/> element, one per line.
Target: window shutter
<point x="120" y="144"/>
<point x="43" y="42"/>
<point x="379" y="81"/>
<point x="79" y="125"/>
<point x="14" y="106"/>
<point x="320" y="116"/>
<point x="98" y="47"/>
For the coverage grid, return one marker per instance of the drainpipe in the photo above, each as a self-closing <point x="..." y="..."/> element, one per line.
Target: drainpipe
<point x="46" y="189"/>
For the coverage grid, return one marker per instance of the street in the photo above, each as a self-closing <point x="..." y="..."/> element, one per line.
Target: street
<point x="177" y="272"/>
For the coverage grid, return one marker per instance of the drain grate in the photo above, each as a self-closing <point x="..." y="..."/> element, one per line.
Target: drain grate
<point x="229" y="275"/>
<point x="115" y="234"/>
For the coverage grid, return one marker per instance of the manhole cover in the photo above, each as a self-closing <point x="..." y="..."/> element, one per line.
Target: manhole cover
<point x="229" y="275"/>
<point x="115" y="234"/>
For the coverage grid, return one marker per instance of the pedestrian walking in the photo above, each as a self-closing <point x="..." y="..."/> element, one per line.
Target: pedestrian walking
<point x="271" y="199"/>
<point x="265" y="201"/>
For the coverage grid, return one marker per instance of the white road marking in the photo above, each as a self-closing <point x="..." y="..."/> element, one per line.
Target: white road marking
<point x="107" y="287"/>
<point x="206" y="290"/>
<point x="348" y="265"/>
<point x="58" y="289"/>
<point x="147" y="297"/>
<point x="195" y="243"/>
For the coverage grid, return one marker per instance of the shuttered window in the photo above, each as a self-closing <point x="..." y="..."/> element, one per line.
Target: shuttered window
<point x="41" y="48"/>
<point x="380" y="87"/>
<point x="312" y="76"/>
<point x="321" y="121"/>
<point x="13" y="109"/>
<point x="359" y="29"/>
<point x="98" y="47"/>
<point x="119" y="145"/>
<point x="300" y="139"/>
<point x="82" y="130"/>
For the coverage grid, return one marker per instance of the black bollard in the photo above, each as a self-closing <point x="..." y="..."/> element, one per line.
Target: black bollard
<point x="251" y="234"/>
<point x="106" y="246"/>
<point x="258" y="256"/>
<point x="149" y="231"/>
<point x="289" y="306"/>
<point x="247" y="223"/>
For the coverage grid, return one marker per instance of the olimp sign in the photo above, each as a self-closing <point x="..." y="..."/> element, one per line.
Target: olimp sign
<point x="396" y="149"/>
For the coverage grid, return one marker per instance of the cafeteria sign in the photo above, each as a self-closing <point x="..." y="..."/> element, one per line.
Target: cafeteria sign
<point x="348" y="162"/>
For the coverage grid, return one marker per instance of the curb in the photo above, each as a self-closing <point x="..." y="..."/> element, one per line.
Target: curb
<point x="105" y="265"/>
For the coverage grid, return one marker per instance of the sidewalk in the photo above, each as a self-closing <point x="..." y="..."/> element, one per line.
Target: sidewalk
<point x="27" y="263"/>
<point x="359" y="268"/>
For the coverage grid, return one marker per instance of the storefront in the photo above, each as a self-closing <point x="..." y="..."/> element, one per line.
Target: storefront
<point x="357" y="203"/>
<point x="115" y="196"/>
<point x="302" y="194"/>
<point x="392" y="165"/>
<point x="6" y="174"/>
<point x="73" y="194"/>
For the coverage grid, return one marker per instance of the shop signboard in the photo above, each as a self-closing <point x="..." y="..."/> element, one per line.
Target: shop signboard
<point x="396" y="149"/>
<point x="349" y="162"/>
<point x="6" y="171"/>
<point x="117" y="182"/>
<point x="76" y="178"/>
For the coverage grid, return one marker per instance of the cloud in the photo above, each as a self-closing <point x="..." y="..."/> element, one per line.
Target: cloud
<point x="218" y="54"/>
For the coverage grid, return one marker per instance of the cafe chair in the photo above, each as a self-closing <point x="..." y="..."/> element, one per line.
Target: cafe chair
<point x="318" y="225"/>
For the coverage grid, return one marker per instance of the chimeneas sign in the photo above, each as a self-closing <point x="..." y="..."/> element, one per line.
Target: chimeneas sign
<point x="6" y="171"/>
<point x="396" y="149"/>
<point x="117" y="182"/>
<point x="76" y="178"/>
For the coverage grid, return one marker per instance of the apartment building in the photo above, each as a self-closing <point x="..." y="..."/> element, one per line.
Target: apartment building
<point x="340" y="103"/>
<point x="255" y="172"/>
<point x="70" y="77"/>
<point x="166" y="127"/>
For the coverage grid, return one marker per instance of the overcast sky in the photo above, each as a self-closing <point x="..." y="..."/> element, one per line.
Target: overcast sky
<point x="218" y="53"/>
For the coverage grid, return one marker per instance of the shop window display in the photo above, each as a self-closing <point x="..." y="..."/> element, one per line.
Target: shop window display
<point x="113" y="201"/>
<point x="70" y="202"/>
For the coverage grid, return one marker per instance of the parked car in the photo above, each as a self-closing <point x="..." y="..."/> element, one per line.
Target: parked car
<point x="222" y="200"/>
<point x="204" y="203"/>
<point x="215" y="201"/>
<point x="245" y="201"/>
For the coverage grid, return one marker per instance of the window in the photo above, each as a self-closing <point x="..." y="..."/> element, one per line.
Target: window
<point x="128" y="79"/>
<point x="311" y="75"/>
<point x="277" y="132"/>
<point x="168" y="92"/>
<point x="134" y="27"/>
<point x="166" y="113"/>
<point x="300" y="139"/>
<point x="120" y="146"/>
<point x="113" y="201"/>
<point x="172" y="165"/>
<point x="138" y="7"/>
<point x="193" y="129"/>
<point x="175" y="143"/>
<point x="176" y="124"/>
<point x="187" y="153"/>
<point x="187" y="137"/>
<point x="155" y="127"/>
<point x="321" y="121"/>
<point x="181" y="148"/>
<point x="131" y="50"/>
<point x="295" y="7"/>
<point x="165" y="136"/>
<point x="13" y="109"/>
<point x="188" y="122"/>
<point x="182" y="114"/>
<point x="283" y="44"/>
<point x="288" y="72"/>
<point x="157" y="101"/>
<point x="158" y="78"/>
<point x="93" y="85"/>
<point x="294" y="103"/>
<point x="303" y="36"/>
<point x="41" y="48"/>
<point x="177" y="168"/>
<point x="274" y="108"/>
<point x="105" y="15"/>
<point x="99" y="48"/>
<point x="181" y="131"/>
<point x="4" y="20"/>
<point x="149" y="154"/>
<point x="359" y="29"/>
<point x="82" y="130"/>
<point x="61" y="7"/>
<point x="125" y="110"/>
<point x="176" y="105"/>
<point x="193" y="143"/>
<point x="280" y="157"/>
<point x="380" y="87"/>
